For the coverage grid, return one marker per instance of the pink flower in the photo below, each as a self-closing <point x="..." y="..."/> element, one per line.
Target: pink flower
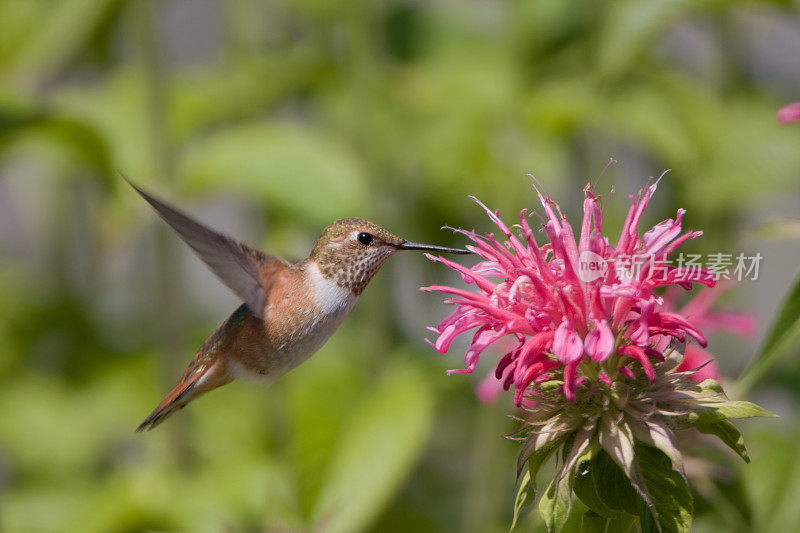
<point x="580" y="308"/>
<point x="591" y="351"/>
<point x="789" y="113"/>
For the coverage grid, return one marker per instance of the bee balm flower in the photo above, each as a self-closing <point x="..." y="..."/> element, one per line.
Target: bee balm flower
<point x="571" y="300"/>
<point x="590" y="349"/>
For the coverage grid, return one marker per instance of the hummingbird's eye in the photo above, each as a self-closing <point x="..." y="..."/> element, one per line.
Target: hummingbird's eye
<point x="364" y="238"/>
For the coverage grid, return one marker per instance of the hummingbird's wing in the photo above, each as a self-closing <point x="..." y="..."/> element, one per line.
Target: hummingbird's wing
<point x="236" y="264"/>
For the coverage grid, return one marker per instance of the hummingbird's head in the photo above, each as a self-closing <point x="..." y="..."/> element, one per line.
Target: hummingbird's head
<point x="351" y="251"/>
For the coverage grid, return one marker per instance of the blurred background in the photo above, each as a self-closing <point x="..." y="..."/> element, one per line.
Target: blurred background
<point x="270" y="119"/>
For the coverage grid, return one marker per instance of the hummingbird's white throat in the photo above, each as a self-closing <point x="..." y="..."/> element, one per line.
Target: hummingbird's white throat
<point x="330" y="298"/>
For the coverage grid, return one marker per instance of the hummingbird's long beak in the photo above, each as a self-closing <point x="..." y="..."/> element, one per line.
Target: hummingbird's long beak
<point x="408" y="245"/>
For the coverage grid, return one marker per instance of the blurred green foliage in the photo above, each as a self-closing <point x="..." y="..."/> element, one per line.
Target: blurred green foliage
<point x="300" y="112"/>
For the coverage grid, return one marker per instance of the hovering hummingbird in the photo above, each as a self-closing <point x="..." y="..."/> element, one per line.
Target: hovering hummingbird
<point x="289" y="311"/>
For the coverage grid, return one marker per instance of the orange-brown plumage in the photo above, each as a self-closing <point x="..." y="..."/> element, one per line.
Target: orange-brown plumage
<point x="289" y="311"/>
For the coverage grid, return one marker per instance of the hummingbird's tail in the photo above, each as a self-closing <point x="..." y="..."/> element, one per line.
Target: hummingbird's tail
<point x="198" y="379"/>
<point x="206" y="372"/>
<point x="177" y="399"/>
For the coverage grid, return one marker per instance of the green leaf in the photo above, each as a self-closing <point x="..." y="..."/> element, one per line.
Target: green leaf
<point x="656" y="433"/>
<point x="661" y="499"/>
<point x="616" y="438"/>
<point x="376" y="452"/>
<point x="585" y="489"/>
<point x="740" y="409"/>
<point x="556" y="503"/>
<point x="604" y="488"/>
<point x="622" y="523"/>
<point x="670" y="498"/>
<point x="728" y="434"/>
<point x="784" y="334"/>
<point x="594" y="523"/>
<point x="537" y="449"/>
<point x="525" y="496"/>
<point x="715" y="411"/>
<point x="647" y="522"/>
<point x="788" y="315"/>
<point x="711" y="387"/>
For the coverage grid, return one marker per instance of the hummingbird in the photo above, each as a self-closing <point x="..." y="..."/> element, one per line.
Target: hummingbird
<point x="288" y="311"/>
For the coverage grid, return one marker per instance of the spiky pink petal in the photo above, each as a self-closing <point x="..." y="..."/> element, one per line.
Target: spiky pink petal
<point x="638" y="353"/>
<point x="674" y="322"/>
<point x="569" y="380"/>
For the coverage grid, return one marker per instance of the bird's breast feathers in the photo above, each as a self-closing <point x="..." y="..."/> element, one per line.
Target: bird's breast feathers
<point x="318" y="312"/>
<point x="297" y="323"/>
